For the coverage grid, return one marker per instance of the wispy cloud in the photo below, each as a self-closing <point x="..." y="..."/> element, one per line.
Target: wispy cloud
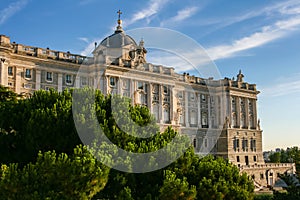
<point x="151" y="9"/>
<point x="285" y="86"/>
<point x="181" y="15"/>
<point x="267" y="34"/>
<point x="84" y="39"/>
<point x="11" y="9"/>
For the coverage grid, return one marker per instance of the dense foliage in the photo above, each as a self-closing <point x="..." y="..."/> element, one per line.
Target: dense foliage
<point x="44" y="123"/>
<point x="290" y="155"/>
<point x="79" y="176"/>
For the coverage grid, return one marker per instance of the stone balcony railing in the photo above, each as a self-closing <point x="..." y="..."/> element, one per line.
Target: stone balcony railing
<point x="269" y="165"/>
<point x="47" y="53"/>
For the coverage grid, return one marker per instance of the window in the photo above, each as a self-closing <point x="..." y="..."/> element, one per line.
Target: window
<point x="261" y="176"/>
<point x="203" y="97"/>
<point x="140" y="85"/>
<point x="236" y="144"/>
<point x="193" y="118"/>
<point x="28" y="73"/>
<point x="166" y="115"/>
<point x="192" y="96"/>
<point x="254" y="158"/>
<point x="125" y="84"/>
<point x="180" y="94"/>
<point x="10" y="84"/>
<point x="195" y="142"/>
<point x="156" y="112"/>
<point x="27" y="86"/>
<point x="204" y="120"/>
<point x="166" y="90"/>
<point x="49" y="77"/>
<point x="237" y="158"/>
<point x="10" y="71"/>
<point x="181" y="120"/>
<point x="205" y="142"/>
<point x="83" y="81"/>
<point x="112" y="81"/>
<point x="68" y="79"/>
<point x="253" y="145"/>
<point x="245" y="144"/>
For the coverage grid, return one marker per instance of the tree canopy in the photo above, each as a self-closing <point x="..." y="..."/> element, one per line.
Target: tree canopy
<point x="39" y="135"/>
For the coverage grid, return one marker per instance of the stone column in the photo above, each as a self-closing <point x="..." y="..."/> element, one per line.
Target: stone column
<point x="238" y="112"/>
<point x="59" y="82"/>
<point x="186" y="109"/>
<point x="132" y="91"/>
<point x="119" y="86"/>
<point x="161" y="106"/>
<point x="77" y="82"/>
<point x="37" y="79"/>
<point x="173" y="105"/>
<point x="3" y="71"/>
<point x="254" y="114"/>
<point x="149" y="97"/>
<point x="198" y="97"/>
<point x="18" y="79"/>
<point x="209" y="111"/>
<point x="247" y="112"/>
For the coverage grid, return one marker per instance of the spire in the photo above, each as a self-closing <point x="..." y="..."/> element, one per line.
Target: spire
<point x="119" y="27"/>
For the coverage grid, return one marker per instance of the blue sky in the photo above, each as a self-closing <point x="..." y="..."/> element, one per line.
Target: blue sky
<point x="260" y="37"/>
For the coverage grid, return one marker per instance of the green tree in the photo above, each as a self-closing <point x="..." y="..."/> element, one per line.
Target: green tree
<point x="174" y="188"/>
<point x="275" y="157"/>
<point x="79" y="176"/>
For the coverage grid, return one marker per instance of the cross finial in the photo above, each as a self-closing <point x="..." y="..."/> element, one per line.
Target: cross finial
<point x="119" y="14"/>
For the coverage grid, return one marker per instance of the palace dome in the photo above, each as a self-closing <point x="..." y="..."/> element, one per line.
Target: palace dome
<point x="118" y="39"/>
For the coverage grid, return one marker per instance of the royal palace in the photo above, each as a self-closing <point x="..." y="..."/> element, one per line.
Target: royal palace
<point x="219" y="116"/>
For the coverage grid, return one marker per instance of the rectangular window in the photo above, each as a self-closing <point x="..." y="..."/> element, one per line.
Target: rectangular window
<point x="140" y="85"/>
<point x="68" y="79"/>
<point x="28" y="73"/>
<point x="49" y="76"/>
<point x="112" y="81"/>
<point x="203" y="97"/>
<point x="261" y="176"/>
<point x="195" y="142"/>
<point x="237" y="158"/>
<point x="166" y="90"/>
<point x="254" y="158"/>
<point x="10" y="71"/>
<point x="180" y="94"/>
<point x="83" y="81"/>
<point x="192" y="96"/>
<point x="205" y="142"/>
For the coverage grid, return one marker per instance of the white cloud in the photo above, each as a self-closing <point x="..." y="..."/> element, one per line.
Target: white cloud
<point x="11" y="9"/>
<point x="151" y="9"/>
<point x="285" y="86"/>
<point x="267" y="34"/>
<point x="181" y="15"/>
<point x="84" y="39"/>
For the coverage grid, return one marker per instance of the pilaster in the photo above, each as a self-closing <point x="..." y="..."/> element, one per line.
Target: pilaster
<point x="37" y="79"/>
<point x="59" y="82"/>
<point x="3" y="71"/>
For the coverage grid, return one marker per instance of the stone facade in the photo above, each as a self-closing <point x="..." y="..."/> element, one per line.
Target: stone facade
<point x="220" y="116"/>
